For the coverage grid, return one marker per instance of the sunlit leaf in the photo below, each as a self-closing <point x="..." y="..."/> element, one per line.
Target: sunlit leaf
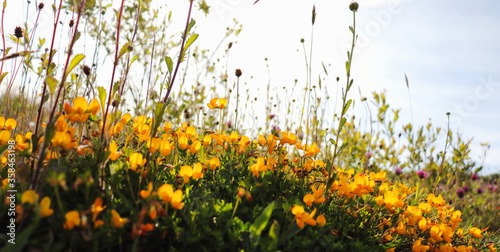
<point x="74" y="62"/>
<point x="51" y="83"/>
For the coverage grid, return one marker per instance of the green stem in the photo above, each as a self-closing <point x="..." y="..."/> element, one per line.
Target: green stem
<point x="344" y="101"/>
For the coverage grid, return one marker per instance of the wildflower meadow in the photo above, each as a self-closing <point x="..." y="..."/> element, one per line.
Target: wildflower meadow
<point x="157" y="148"/>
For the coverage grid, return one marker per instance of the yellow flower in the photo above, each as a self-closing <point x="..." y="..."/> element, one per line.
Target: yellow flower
<point x="165" y="147"/>
<point x="301" y="216"/>
<point x="217" y="103"/>
<point x="144" y="194"/>
<point x="113" y="151"/>
<point x="45" y="210"/>
<point x="388" y="238"/>
<point x="422" y="224"/>
<point x="183" y="142"/>
<point x="321" y="220"/>
<point x="390" y="199"/>
<point x="81" y="110"/>
<point x="308" y="199"/>
<point x="475" y="232"/>
<point x="289" y="138"/>
<point x="98" y="223"/>
<point x="197" y="171"/>
<point x="29" y="196"/>
<point x="136" y="160"/>
<point x="186" y="172"/>
<point x="117" y="220"/>
<point x="214" y="163"/>
<point x="418" y="247"/>
<point x="436" y="201"/>
<point x="176" y="201"/>
<point x="167" y="195"/>
<point x="63" y="134"/>
<point x="72" y="220"/>
<point x="96" y="208"/>
<point x="4" y="136"/>
<point x="401" y="229"/>
<point x="165" y="192"/>
<point x="153" y="144"/>
<point x="8" y="124"/>
<point x="207" y="139"/>
<point x="195" y="146"/>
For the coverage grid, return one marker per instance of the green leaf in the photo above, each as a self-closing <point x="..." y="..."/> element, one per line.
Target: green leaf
<point x="324" y="68"/>
<point x="347" y="66"/>
<point x="274" y="233"/>
<point x="52" y="83"/>
<point x="159" y="111"/>
<point x="191" y="24"/>
<point x="127" y="47"/>
<point x="2" y="76"/>
<point x="342" y="122"/>
<point x="259" y="224"/>
<point x="102" y="96"/>
<point x="346" y="107"/>
<point x="333" y="141"/>
<point x="133" y="59"/>
<point x="34" y="142"/>
<point x="343" y="146"/>
<point x="74" y="62"/>
<point x="189" y="42"/>
<point x="50" y="132"/>
<point x="170" y="64"/>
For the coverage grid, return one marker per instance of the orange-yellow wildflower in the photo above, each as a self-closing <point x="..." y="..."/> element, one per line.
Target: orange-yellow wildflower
<point x="45" y="210"/>
<point x="29" y="196"/>
<point x="81" y="110"/>
<point x="475" y="232"/>
<point x="136" y="160"/>
<point x="213" y="163"/>
<point x="167" y="195"/>
<point x="144" y="194"/>
<point x="217" y="103"/>
<point x="301" y="216"/>
<point x="116" y="220"/>
<point x="72" y="219"/>
<point x="96" y="208"/>
<point x="113" y="151"/>
<point x="8" y="124"/>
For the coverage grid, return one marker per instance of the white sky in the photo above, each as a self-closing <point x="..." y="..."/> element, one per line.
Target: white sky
<point x="450" y="51"/>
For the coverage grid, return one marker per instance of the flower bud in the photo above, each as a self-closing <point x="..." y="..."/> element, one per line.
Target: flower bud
<point x="353" y="6"/>
<point x="238" y="72"/>
<point x="18" y="32"/>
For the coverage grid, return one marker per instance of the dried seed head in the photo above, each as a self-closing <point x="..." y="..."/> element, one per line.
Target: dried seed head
<point x="353" y="6"/>
<point x="230" y="45"/>
<point x="313" y="14"/>
<point x="18" y="32"/>
<point x="40" y="6"/>
<point x="86" y="70"/>
<point x="238" y="72"/>
<point x="71" y="23"/>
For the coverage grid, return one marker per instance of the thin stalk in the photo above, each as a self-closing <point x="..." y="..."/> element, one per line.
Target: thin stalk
<point x="3" y="35"/>
<point x="41" y="156"/>
<point x="237" y="100"/>
<point x="115" y="65"/>
<point x="179" y="60"/>
<point x="49" y="62"/>
<point x="344" y="100"/>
